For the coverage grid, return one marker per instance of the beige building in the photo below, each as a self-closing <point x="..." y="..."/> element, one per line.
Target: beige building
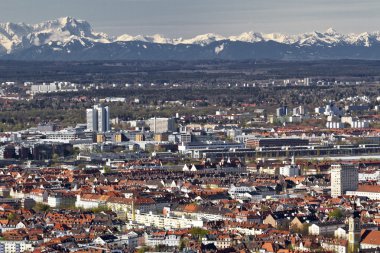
<point x="344" y="177"/>
<point x="139" y="137"/>
<point x="160" y="137"/>
<point x="161" y="125"/>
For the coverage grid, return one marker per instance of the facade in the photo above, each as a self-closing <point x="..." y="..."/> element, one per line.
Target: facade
<point x="300" y="110"/>
<point x="139" y="137"/>
<point x="15" y="246"/>
<point x="161" y="125"/>
<point x="170" y="240"/>
<point x="88" y="201"/>
<point x="276" y="142"/>
<point x="282" y="111"/>
<point x="167" y="222"/>
<point x="110" y="137"/>
<point x="60" y="200"/>
<point x="98" y="119"/>
<point x="290" y="170"/>
<point x="160" y="137"/>
<point x="338" y="246"/>
<point x="370" y="241"/>
<point x="369" y="191"/>
<point x="193" y="147"/>
<point x="344" y="177"/>
<point x="325" y="229"/>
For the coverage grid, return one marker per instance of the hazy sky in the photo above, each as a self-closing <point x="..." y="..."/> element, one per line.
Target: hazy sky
<point x="185" y="18"/>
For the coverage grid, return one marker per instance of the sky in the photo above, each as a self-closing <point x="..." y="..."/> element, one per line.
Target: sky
<point x="187" y="18"/>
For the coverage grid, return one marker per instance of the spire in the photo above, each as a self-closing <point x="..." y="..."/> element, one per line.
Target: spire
<point x="133" y="210"/>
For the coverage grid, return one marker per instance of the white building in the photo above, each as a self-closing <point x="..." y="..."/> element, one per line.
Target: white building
<point x="98" y="119"/>
<point x="369" y="191"/>
<point x="10" y="225"/>
<point x="16" y="246"/>
<point x="338" y="246"/>
<point x="88" y="201"/>
<point x="373" y="175"/>
<point x="43" y="88"/>
<point x="333" y="124"/>
<point x="161" y="125"/>
<point x="290" y="170"/>
<point x="155" y="239"/>
<point x="166" y="222"/>
<point x="60" y="200"/>
<point x="344" y="177"/>
<point x="325" y="229"/>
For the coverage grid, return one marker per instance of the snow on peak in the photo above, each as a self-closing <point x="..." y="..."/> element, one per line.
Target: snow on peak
<point x="14" y="36"/>
<point x="331" y="31"/>
<point x="247" y="37"/>
<point x="156" y="38"/>
<point x="66" y="30"/>
<point x="203" y="39"/>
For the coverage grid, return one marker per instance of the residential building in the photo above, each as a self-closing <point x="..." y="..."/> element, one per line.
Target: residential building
<point x="344" y="177"/>
<point x="290" y="170"/>
<point x="16" y="246"/>
<point x="325" y="228"/>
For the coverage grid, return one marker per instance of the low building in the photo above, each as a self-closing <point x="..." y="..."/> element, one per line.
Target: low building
<point x="325" y="228"/>
<point x="166" y="222"/>
<point x="276" y="142"/>
<point x="370" y="240"/>
<point x="16" y="246"/>
<point x="369" y="191"/>
<point x="61" y="200"/>
<point x="162" y="238"/>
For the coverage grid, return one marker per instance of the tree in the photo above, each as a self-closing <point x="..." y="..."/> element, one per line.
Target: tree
<point x="106" y="170"/>
<point x="336" y="214"/>
<point x="40" y="207"/>
<point x="100" y="209"/>
<point x="183" y="243"/>
<point x="160" y="247"/>
<point x="11" y="216"/>
<point x="199" y="233"/>
<point x="303" y="229"/>
<point x="143" y="249"/>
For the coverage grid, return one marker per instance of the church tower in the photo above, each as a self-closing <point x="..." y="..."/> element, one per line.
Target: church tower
<point x="354" y="230"/>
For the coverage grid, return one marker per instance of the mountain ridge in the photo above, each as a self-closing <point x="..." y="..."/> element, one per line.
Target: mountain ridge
<point x="68" y="38"/>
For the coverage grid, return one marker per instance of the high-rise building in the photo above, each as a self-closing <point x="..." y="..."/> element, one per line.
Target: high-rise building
<point x="344" y="177"/>
<point x="307" y="81"/>
<point x="282" y="111"/>
<point x="98" y="119"/>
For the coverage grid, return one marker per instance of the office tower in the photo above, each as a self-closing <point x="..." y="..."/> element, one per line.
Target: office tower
<point x="282" y="111"/>
<point x="344" y="177"/>
<point x="307" y="81"/>
<point x="98" y="119"/>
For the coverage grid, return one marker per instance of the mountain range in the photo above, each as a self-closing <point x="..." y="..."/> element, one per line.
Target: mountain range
<point x="70" y="39"/>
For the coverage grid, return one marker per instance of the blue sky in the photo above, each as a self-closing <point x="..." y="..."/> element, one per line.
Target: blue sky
<point x="186" y="18"/>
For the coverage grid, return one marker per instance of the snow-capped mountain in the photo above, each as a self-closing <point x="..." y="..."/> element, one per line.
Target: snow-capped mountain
<point x="15" y="37"/>
<point x="71" y="39"/>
